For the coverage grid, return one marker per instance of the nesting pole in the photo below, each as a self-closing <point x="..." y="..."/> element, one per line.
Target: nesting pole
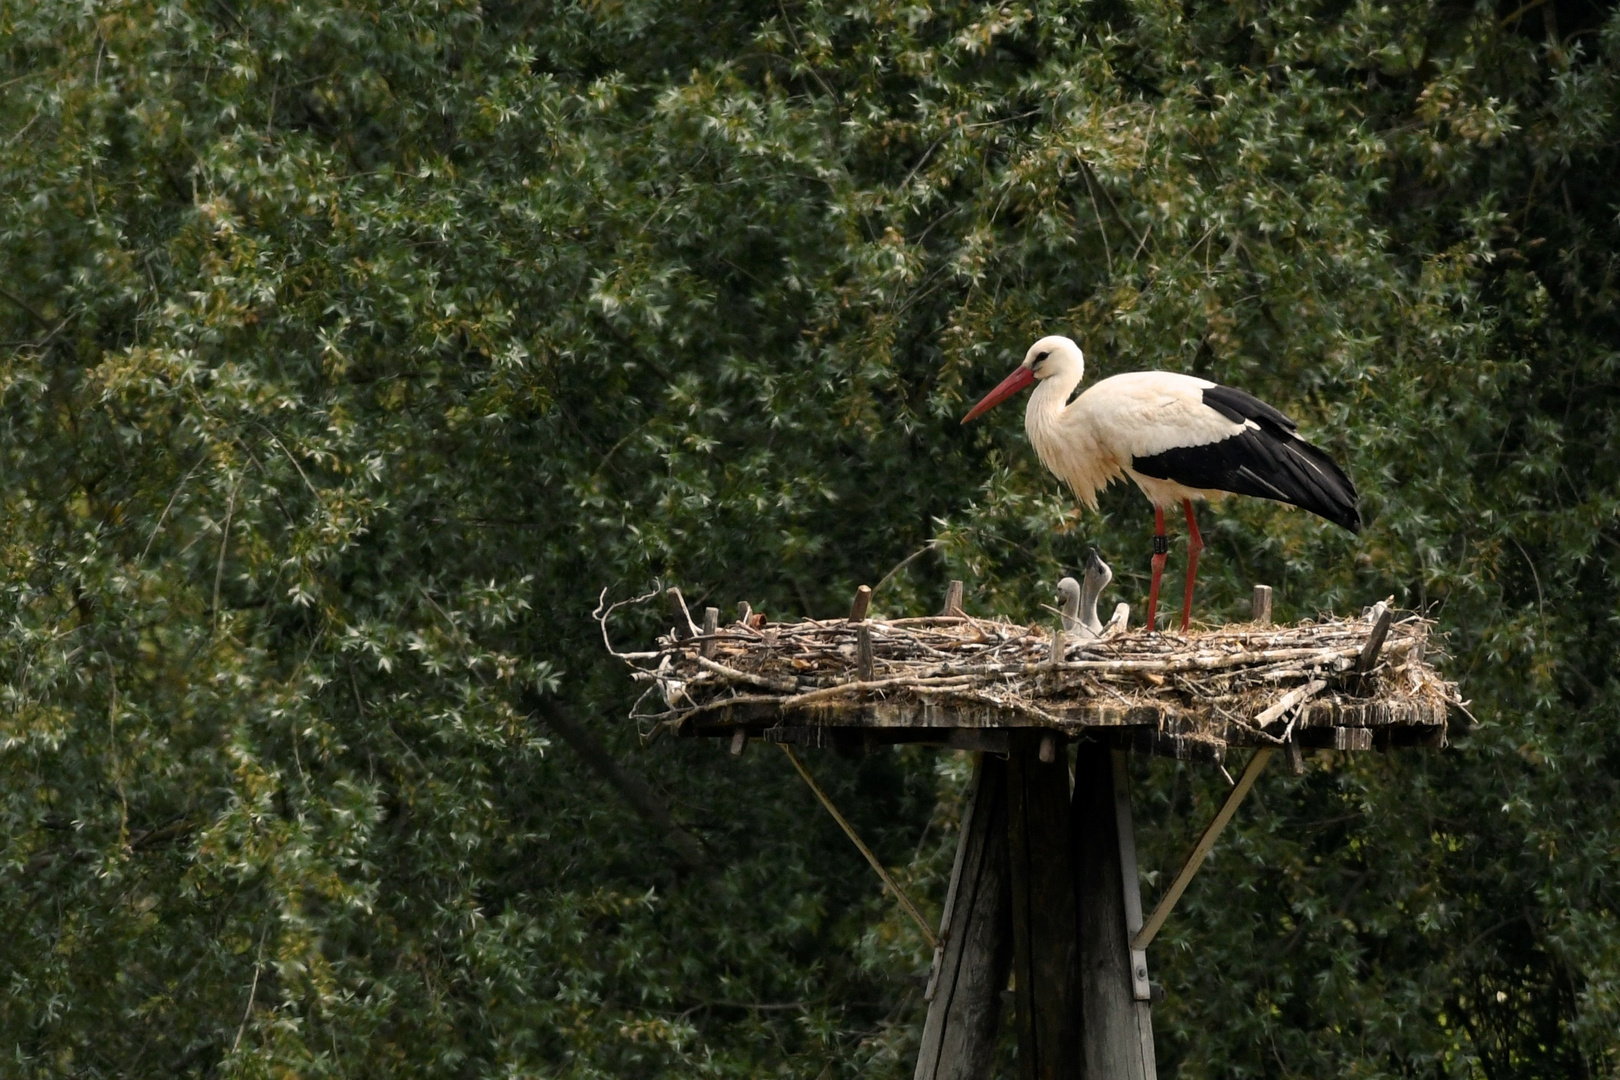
<point x="1043" y="917"/>
<point x="975" y="941"/>
<point x="1115" y="1009"/>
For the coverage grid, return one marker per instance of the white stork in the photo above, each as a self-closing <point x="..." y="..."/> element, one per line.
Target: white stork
<point x="1178" y="437"/>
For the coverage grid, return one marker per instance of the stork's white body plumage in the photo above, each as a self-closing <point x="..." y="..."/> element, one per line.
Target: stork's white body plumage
<point x="1177" y="437"/>
<point x="1091" y="442"/>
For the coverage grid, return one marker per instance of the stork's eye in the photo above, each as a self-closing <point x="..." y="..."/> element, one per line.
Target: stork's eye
<point x="1041" y="356"/>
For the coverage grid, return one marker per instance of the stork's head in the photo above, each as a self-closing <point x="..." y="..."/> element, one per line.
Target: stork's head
<point x="1098" y="573"/>
<point x="1052" y="355"/>
<point x="1069" y="596"/>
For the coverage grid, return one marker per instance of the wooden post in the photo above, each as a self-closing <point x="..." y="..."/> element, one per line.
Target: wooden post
<point x="1383" y="615"/>
<point x="711" y="623"/>
<point x="1262" y="604"/>
<point x="953" y="599"/>
<point x="865" y="667"/>
<point x="1118" y="1028"/>
<point x="975" y="945"/>
<point x="862" y="601"/>
<point x="1043" y="915"/>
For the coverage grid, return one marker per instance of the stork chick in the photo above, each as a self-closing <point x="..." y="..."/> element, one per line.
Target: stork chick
<point x="1080" y="602"/>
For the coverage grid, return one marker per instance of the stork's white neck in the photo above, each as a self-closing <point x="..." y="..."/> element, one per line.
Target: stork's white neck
<point x="1050" y="396"/>
<point x="1090" y="590"/>
<point x="1059" y="375"/>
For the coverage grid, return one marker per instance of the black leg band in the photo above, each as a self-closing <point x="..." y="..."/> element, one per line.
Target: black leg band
<point x="1161" y="545"/>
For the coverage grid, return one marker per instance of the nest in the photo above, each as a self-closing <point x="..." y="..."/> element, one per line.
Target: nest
<point x="1344" y="683"/>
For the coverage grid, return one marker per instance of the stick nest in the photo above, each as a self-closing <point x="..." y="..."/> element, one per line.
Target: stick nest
<point x="1243" y="683"/>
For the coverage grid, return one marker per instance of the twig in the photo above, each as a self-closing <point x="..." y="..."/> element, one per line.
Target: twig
<point x="902" y="564"/>
<point x="602" y="616"/>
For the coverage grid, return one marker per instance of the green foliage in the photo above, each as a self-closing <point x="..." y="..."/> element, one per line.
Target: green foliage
<point x="351" y="350"/>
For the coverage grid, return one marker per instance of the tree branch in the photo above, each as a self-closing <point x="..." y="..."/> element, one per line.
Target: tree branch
<point x="635" y="791"/>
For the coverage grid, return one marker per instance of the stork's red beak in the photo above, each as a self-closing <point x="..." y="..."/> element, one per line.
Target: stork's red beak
<point x="1009" y="386"/>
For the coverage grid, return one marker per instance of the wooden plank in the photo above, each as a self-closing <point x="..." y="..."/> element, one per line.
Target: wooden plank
<point x="953" y="599"/>
<point x="990" y="742"/>
<point x="1043" y="913"/>
<point x="1145" y="740"/>
<point x="1071" y="719"/>
<point x="1117" y="1027"/>
<point x="1200" y="851"/>
<point x="970" y="967"/>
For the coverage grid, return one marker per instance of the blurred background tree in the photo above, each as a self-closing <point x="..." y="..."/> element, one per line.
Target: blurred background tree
<point x="350" y="350"/>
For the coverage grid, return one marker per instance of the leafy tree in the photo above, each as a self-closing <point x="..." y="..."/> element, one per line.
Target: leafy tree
<point x="352" y="349"/>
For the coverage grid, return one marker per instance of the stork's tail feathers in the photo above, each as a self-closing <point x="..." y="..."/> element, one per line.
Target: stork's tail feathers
<point x="1322" y="487"/>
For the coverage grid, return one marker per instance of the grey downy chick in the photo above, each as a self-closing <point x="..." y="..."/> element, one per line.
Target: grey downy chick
<point x="1079" y="600"/>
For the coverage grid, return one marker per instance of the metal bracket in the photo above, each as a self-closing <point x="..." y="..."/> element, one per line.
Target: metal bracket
<point x="1141" y="990"/>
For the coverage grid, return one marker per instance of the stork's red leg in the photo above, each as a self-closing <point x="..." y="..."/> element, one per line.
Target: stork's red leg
<point x="1161" y="550"/>
<point x="1195" y="544"/>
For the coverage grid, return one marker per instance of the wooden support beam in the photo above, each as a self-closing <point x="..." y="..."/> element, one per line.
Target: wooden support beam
<point x="871" y="859"/>
<point x="739" y="742"/>
<point x="975" y="940"/>
<point x="1043" y="915"/>
<point x="1201" y="850"/>
<point x="1116" y="1024"/>
<point x="953" y="599"/>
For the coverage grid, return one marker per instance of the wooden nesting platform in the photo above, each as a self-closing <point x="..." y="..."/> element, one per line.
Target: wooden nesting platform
<point x="1342" y="683"/>
<point x="1045" y="885"/>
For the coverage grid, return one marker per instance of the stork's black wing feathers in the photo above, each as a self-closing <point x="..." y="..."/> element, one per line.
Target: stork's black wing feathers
<point x="1240" y="405"/>
<point x="1265" y="459"/>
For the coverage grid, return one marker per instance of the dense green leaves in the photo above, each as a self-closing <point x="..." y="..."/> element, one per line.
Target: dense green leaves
<point x="350" y="351"/>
